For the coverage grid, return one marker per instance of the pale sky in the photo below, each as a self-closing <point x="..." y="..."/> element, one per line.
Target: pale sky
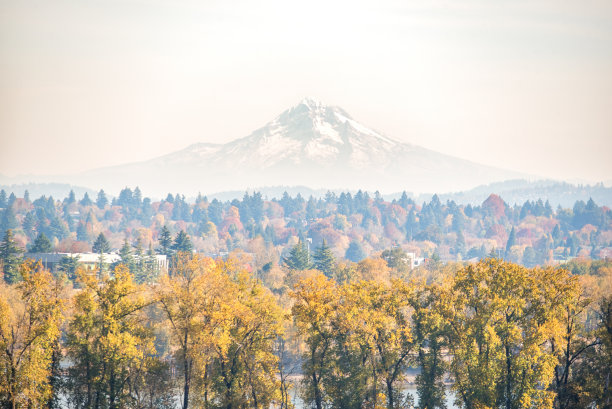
<point x="520" y="84"/>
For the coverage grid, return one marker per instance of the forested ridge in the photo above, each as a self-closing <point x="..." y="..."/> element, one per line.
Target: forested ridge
<point x="353" y="226"/>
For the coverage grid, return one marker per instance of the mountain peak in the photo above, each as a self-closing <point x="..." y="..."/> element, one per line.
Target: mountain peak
<point x="311" y="102"/>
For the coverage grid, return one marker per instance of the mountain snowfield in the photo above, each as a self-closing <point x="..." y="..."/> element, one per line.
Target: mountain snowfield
<point x="310" y="144"/>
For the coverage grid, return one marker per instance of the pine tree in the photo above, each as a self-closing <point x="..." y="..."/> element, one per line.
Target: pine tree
<point x="10" y="256"/>
<point x="69" y="266"/>
<point x="101" y="246"/>
<point x="101" y="201"/>
<point x="126" y="256"/>
<point x="460" y="244"/>
<point x="324" y="260"/>
<point x="71" y="197"/>
<point x="41" y="244"/>
<point x="86" y="201"/>
<point x="29" y="225"/>
<point x="182" y="242"/>
<point x="2" y="198"/>
<point x="8" y="221"/>
<point x="511" y="242"/>
<point x="299" y="257"/>
<point x="165" y="241"/>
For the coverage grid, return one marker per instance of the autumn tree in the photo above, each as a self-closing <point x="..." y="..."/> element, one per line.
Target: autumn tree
<point x="30" y="318"/>
<point x="378" y="318"/>
<point x="244" y="367"/>
<point x="189" y="297"/>
<point x="315" y="305"/>
<point x="500" y="318"/>
<point x="429" y="332"/>
<point x="108" y="342"/>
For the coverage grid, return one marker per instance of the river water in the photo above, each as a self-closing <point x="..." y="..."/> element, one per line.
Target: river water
<point x="450" y="397"/>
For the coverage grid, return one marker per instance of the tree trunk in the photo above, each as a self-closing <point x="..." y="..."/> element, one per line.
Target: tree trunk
<point x="187" y="375"/>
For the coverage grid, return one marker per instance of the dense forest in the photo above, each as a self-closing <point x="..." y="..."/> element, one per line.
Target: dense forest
<point x="353" y="226"/>
<point x="268" y="299"/>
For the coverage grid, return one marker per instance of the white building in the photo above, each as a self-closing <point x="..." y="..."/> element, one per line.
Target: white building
<point x="90" y="261"/>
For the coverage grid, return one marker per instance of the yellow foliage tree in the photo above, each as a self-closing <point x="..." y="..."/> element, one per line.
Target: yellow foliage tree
<point x="30" y="318"/>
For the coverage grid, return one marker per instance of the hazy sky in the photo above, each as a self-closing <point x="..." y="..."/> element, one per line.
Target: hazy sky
<point x="525" y="85"/>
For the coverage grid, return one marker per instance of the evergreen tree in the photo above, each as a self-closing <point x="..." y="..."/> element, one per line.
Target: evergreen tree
<point x="71" y="198"/>
<point x="8" y="221"/>
<point x="165" y="241"/>
<point x="86" y="201"/>
<point x="151" y="267"/>
<point x="2" y="198"/>
<point x="411" y="225"/>
<point x="12" y="198"/>
<point x="511" y="242"/>
<point x="460" y="244"/>
<point x="182" y="242"/>
<point x="102" y="200"/>
<point x="355" y="252"/>
<point x="101" y="246"/>
<point x="41" y="244"/>
<point x="324" y="260"/>
<point x="81" y="232"/>
<point x="29" y="225"/>
<point x="127" y="259"/>
<point x="69" y="266"/>
<point x="299" y="257"/>
<point x="529" y="257"/>
<point x="10" y="256"/>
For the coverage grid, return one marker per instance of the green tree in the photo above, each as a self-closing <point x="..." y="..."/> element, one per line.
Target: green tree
<point x="127" y="258"/>
<point x="8" y="220"/>
<point x="10" y="256"/>
<point x="355" y="252"/>
<point x="324" y="260"/>
<point x="298" y="258"/>
<point x="430" y="329"/>
<point x="102" y="200"/>
<point x="165" y="241"/>
<point x="41" y="244"/>
<point x="511" y="242"/>
<point x="69" y="265"/>
<point x="396" y="259"/>
<point x="182" y="243"/>
<point x="101" y="246"/>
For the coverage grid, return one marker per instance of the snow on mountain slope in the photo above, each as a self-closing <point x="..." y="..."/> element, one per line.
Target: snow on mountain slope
<point x="310" y="144"/>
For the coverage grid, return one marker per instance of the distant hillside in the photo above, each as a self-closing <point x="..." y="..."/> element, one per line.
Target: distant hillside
<point x="512" y="192"/>
<point x="57" y="190"/>
<point x="519" y="191"/>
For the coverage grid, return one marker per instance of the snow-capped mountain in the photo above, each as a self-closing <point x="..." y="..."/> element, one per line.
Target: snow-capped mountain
<point x="310" y="144"/>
